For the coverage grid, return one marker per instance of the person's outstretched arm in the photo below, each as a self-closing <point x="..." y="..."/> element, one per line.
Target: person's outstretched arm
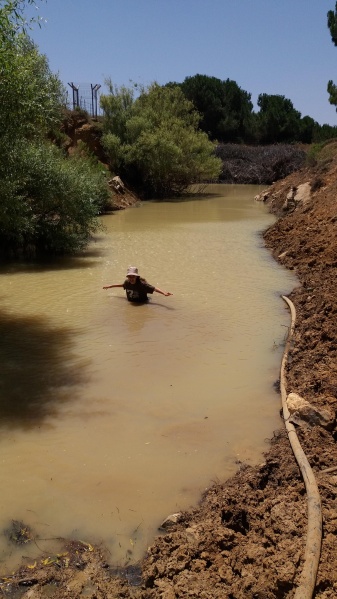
<point x="116" y="285"/>
<point x="163" y="292"/>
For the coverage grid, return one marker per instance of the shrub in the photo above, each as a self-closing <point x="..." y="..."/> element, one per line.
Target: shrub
<point x="53" y="201"/>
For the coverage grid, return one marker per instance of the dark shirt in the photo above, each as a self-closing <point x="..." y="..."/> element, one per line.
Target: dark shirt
<point x="138" y="291"/>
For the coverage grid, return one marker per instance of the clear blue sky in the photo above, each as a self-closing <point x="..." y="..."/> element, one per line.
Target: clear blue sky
<point x="266" y="46"/>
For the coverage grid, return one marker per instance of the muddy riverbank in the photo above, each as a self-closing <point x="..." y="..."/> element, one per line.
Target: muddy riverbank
<point x="246" y="539"/>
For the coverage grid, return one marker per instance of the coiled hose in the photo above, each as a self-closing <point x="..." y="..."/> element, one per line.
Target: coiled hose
<point x="307" y="582"/>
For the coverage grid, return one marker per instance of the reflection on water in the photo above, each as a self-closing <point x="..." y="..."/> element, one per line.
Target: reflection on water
<point x="114" y="415"/>
<point x="35" y="379"/>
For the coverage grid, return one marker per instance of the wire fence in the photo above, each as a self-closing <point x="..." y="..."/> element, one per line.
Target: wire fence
<point x="85" y="96"/>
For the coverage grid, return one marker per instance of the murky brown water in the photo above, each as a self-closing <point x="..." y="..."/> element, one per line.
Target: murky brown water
<point x="115" y="415"/>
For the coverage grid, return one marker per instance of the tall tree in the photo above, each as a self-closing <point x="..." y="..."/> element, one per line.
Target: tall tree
<point x="158" y="147"/>
<point x="332" y="25"/>
<point x="225" y="109"/>
<point x="278" y="121"/>
<point x="53" y="213"/>
<point x="307" y="129"/>
<point x="13" y="19"/>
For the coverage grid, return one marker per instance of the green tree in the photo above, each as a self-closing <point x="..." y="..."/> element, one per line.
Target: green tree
<point x="278" y="121"/>
<point x="225" y="109"/>
<point x="206" y="94"/>
<point x="307" y="128"/>
<point x="323" y="133"/>
<point x="31" y="104"/>
<point x="32" y="95"/>
<point x="117" y="107"/>
<point x="56" y="200"/>
<point x="13" y="20"/>
<point x="156" y="142"/>
<point x="237" y="122"/>
<point x="332" y="25"/>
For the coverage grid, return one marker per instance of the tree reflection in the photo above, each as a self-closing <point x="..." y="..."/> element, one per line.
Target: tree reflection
<point x="39" y="371"/>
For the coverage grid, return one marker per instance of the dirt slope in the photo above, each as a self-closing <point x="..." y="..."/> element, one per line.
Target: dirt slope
<point x="246" y="539"/>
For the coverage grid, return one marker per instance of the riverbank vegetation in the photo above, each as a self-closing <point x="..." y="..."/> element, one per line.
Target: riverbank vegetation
<point x="49" y="201"/>
<point x="55" y="175"/>
<point x="154" y="140"/>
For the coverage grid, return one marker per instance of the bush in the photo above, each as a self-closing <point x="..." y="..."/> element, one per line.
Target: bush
<point x="50" y="203"/>
<point x="322" y="152"/>
<point x="154" y="141"/>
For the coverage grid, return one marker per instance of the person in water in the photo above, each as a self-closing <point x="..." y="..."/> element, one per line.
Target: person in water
<point x="137" y="288"/>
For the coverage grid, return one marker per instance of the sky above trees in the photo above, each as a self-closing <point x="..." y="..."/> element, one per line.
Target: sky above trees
<point x="265" y="46"/>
